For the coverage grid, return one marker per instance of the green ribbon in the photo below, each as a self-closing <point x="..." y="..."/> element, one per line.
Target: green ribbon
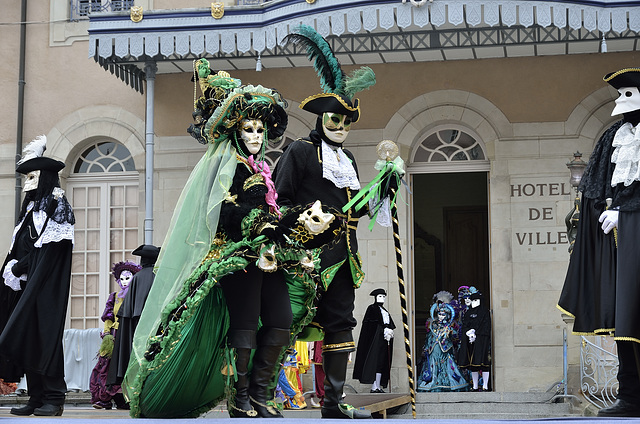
<point x="390" y="169"/>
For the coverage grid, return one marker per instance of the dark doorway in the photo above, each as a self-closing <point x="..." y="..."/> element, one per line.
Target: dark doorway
<point x="450" y="243"/>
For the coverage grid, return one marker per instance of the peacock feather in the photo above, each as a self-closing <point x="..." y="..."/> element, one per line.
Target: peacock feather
<point x="332" y="79"/>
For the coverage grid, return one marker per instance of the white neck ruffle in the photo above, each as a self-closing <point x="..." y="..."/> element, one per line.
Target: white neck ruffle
<point x="337" y="168"/>
<point x="626" y="155"/>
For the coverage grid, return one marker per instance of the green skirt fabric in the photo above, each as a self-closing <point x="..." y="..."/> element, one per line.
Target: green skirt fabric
<point x="180" y="375"/>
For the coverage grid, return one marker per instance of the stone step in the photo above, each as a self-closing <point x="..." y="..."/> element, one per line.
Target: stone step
<point x="488" y="405"/>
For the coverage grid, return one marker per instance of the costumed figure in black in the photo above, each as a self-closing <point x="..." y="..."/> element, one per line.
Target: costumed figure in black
<point x="129" y="313"/>
<point x="601" y="289"/>
<point x="375" y="345"/>
<point x="440" y="372"/>
<point x="35" y="293"/>
<point x="102" y="394"/>
<point x="218" y="316"/>
<point x="475" y="346"/>
<point x="317" y="168"/>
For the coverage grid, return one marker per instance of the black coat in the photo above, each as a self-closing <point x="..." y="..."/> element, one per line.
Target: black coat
<point x="373" y="354"/>
<point x="601" y="286"/>
<point x="477" y="355"/>
<point x="32" y="320"/>
<point x="298" y="179"/>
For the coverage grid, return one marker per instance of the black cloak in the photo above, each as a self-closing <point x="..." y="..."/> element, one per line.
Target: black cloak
<point x="32" y="320"/>
<point x="601" y="289"/>
<point x="476" y="356"/>
<point x="373" y="354"/>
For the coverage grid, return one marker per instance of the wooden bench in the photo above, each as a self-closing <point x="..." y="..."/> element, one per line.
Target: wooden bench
<point x="377" y="402"/>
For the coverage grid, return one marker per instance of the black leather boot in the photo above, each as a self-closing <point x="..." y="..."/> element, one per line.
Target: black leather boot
<point x="271" y="343"/>
<point x="335" y="355"/>
<point x="243" y="341"/>
<point x="621" y="408"/>
<point x="25" y="410"/>
<point x="49" y="410"/>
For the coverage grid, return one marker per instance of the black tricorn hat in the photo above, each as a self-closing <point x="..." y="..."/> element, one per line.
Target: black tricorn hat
<point x="41" y="163"/>
<point x="377" y="292"/>
<point x="628" y="77"/>
<point x="147" y="251"/>
<point x="476" y="295"/>
<point x="331" y="102"/>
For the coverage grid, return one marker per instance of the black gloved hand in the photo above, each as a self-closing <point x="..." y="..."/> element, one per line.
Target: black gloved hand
<point x="274" y="232"/>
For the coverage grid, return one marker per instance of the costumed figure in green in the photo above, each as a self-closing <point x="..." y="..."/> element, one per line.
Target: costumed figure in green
<point x="218" y="315"/>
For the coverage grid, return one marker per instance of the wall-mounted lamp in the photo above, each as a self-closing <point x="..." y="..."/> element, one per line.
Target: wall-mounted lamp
<point x="576" y="167"/>
<point x="259" y="64"/>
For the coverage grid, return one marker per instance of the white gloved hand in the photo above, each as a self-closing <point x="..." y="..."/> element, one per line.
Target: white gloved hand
<point x="388" y="334"/>
<point x="11" y="280"/>
<point x="609" y="220"/>
<point x="472" y="335"/>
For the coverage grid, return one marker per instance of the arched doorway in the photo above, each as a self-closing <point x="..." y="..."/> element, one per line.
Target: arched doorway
<point x="450" y="208"/>
<point x="103" y="190"/>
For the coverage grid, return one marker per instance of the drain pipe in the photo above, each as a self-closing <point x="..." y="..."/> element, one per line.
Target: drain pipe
<point x="21" y="84"/>
<point x="150" y="70"/>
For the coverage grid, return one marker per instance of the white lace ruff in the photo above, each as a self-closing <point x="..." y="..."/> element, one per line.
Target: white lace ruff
<point x="385" y="315"/>
<point x="337" y="168"/>
<point x="626" y="155"/>
<point x="54" y="232"/>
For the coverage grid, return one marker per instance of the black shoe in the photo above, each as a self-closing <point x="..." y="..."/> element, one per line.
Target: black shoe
<point x="344" y="410"/>
<point x="620" y="408"/>
<point x="48" y="410"/>
<point x="24" y="411"/>
<point x="377" y="391"/>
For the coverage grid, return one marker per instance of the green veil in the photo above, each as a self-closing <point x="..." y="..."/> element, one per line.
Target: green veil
<point x="191" y="232"/>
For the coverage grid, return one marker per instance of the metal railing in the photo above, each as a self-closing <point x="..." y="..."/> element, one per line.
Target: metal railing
<point x="81" y="9"/>
<point x="598" y="370"/>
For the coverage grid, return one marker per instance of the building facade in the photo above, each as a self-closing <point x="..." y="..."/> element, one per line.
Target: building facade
<point x="486" y="100"/>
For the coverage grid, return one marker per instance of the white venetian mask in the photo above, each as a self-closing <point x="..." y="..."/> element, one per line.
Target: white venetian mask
<point x="380" y="298"/>
<point x="125" y="278"/>
<point x="335" y="126"/>
<point x="252" y="134"/>
<point x="475" y="303"/>
<point x="628" y="101"/>
<point x="31" y="182"/>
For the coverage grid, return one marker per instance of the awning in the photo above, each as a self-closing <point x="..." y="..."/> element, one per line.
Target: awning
<point x="366" y="31"/>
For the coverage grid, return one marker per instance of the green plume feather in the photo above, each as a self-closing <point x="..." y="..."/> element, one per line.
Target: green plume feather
<point x="359" y="80"/>
<point x="332" y="79"/>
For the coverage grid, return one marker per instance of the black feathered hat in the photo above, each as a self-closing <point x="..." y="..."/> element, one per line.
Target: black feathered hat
<point x="147" y="251"/>
<point x="377" y="292"/>
<point x="339" y="89"/>
<point x="331" y="102"/>
<point x="32" y="159"/>
<point x="628" y="77"/>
